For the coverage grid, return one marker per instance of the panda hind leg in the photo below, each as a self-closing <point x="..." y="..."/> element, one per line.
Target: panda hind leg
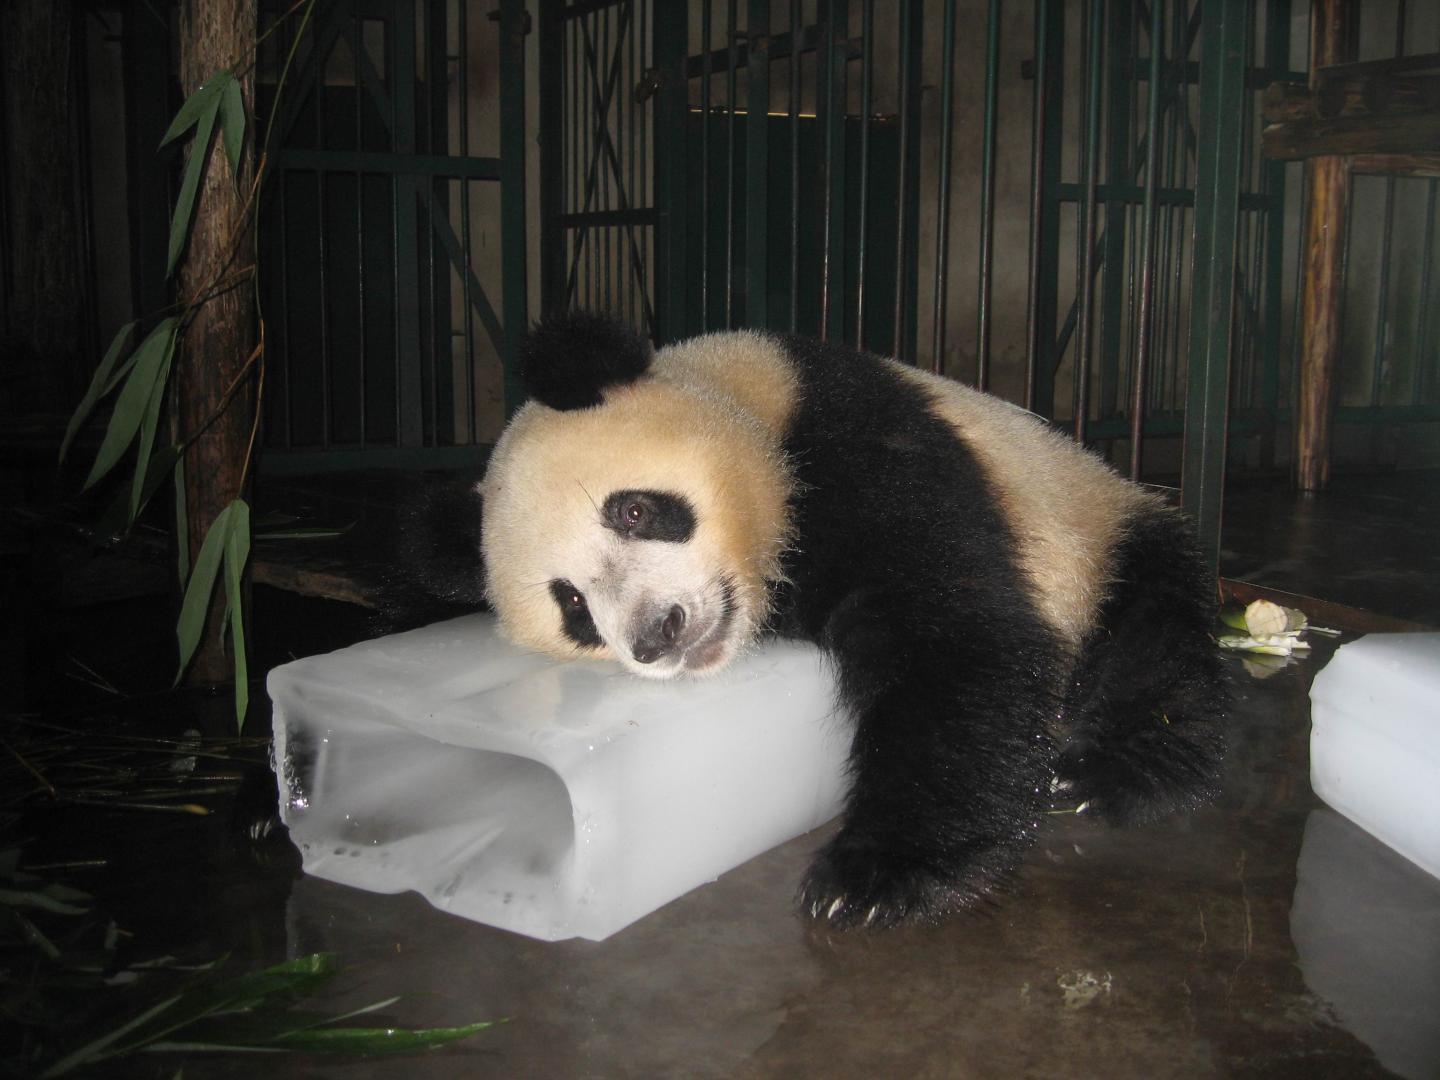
<point x="1146" y="709"/>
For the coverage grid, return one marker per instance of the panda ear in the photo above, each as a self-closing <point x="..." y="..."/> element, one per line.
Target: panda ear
<point x="569" y="359"/>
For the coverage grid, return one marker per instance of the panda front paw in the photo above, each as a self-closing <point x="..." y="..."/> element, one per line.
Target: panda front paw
<point x="853" y="885"/>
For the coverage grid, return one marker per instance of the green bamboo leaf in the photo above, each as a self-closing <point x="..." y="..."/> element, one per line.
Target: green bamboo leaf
<point x="1233" y="618"/>
<point x="237" y="552"/>
<point x="377" y="1040"/>
<point x="274" y="987"/>
<point x="189" y="185"/>
<point x="199" y="588"/>
<point x="31" y="933"/>
<point x="148" y="424"/>
<point x="43" y="899"/>
<point x="232" y="124"/>
<point x="150" y="358"/>
<point x="100" y="384"/>
<point x="203" y="98"/>
<point x="182" y="523"/>
<point x="305" y="532"/>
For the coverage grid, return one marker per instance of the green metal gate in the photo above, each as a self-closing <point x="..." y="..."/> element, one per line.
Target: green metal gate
<point x="393" y="233"/>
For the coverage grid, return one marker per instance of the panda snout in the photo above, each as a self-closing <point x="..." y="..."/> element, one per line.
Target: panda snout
<point x="660" y="637"/>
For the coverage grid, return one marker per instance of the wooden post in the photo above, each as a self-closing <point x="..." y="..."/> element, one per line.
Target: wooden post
<point x="1322" y="274"/>
<point x="216" y="34"/>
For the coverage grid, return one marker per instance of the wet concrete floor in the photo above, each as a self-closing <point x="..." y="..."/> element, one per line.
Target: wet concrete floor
<point x="1264" y="936"/>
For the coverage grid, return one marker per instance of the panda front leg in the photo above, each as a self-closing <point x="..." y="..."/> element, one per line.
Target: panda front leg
<point x="950" y="765"/>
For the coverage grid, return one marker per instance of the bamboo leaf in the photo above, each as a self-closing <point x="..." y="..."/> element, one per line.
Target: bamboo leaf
<point x="376" y="1040"/>
<point x="232" y="124"/>
<point x="100" y="384"/>
<point x="189" y="185"/>
<point x="199" y="588"/>
<point x="305" y="532"/>
<point x="148" y="423"/>
<point x="43" y="899"/>
<point x="150" y="358"/>
<point x="237" y="552"/>
<point x="202" y="99"/>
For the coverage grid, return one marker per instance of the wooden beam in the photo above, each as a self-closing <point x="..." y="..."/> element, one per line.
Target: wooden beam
<point x="1366" y="95"/>
<point x="1322" y="276"/>
<point x="1396" y="165"/>
<point x="1370" y="133"/>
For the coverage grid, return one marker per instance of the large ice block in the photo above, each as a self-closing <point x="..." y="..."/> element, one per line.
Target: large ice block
<point x="553" y="799"/>
<point x="1375" y="740"/>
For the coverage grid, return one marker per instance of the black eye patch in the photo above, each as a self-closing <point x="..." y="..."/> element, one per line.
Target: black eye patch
<point x="575" y="620"/>
<point x="649" y="515"/>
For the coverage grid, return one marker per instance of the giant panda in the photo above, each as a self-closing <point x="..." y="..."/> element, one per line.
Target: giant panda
<point x="1007" y="618"/>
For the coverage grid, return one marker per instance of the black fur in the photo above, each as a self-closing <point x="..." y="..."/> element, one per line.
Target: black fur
<point x="437" y="572"/>
<point x="575" y="620"/>
<point x="1147" y="696"/>
<point x="649" y="515"/>
<point x="904" y="572"/>
<point x="568" y="360"/>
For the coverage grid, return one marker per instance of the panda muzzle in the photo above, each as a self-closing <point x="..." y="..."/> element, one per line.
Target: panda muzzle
<point x="660" y="638"/>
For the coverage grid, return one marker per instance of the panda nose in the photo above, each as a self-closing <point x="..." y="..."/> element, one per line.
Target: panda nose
<point x="659" y="638"/>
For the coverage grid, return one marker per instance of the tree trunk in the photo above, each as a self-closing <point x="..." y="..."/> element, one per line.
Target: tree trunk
<point x="216" y="34"/>
<point x="41" y="339"/>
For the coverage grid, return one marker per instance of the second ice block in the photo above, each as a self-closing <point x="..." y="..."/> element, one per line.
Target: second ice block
<point x="553" y="799"/>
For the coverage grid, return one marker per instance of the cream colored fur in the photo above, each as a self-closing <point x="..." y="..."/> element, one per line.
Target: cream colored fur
<point x="1067" y="508"/>
<point x="707" y="426"/>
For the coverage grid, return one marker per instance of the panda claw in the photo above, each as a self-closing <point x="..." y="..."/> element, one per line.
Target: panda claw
<point x="835" y="906"/>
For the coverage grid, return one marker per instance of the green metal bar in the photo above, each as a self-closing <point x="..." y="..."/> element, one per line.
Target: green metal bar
<point x="907" y="255"/>
<point x="1145" y="328"/>
<point x="1425" y="314"/>
<point x="281" y="462"/>
<point x="671" y="257"/>
<point x="987" y="197"/>
<point x="731" y="28"/>
<point x="551" y="76"/>
<point x="1277" y="54"/>
<point x="795" y="37"/>
<point x="1085" y="286"/>
<point x="462" y="31"/>
<point x="830" y="110"/>
<point x="942" y="210"/>
<point x="515" y="300"/>
<point x="1118" y="167"/>
<point x="1044" y="208"/>
<point x="867" y="92"/>
<point x="706" y="225"/>
<point x="757" y="165"/>
<point x="1165" y="195"/>
<point x="1225" y="28"/>
<point x="410" y="417"/>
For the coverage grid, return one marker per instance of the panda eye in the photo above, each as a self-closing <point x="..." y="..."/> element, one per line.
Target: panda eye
<point x="648" y="515"/>
<point x="575" y="620"/>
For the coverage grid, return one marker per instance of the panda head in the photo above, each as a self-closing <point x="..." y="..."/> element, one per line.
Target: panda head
<point x="630" y="510"/>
